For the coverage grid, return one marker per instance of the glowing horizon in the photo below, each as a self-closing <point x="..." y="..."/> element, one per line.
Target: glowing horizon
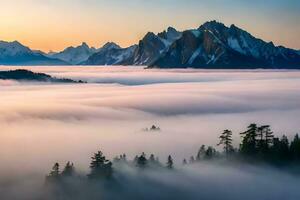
<point x="50" y="25"/>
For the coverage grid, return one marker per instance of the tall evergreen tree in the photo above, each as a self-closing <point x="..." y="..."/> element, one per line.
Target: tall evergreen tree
<point x="268" y="134"/>
<point x="201" y="153"/>
<point x="192" y="159"/>
<point x="142" y="161"/>
<point x="249" y="142"/>
<point x="152" y="158"/>
<point x="210" y="153"/>
<point x="295" y="148"/>
<point x="69" y="170"/>
<point x="264" y="141"/>
<point x="170" y="162"/>
<point x="54" y="175"/>
<point x="279" y="151"/>
<point x="55" y="171"/>
<point x="100" y="167"/>
<point x="226" y="141"/>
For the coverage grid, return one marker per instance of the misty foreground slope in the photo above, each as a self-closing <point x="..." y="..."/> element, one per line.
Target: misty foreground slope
<point x="26" y="75"/>
<point x="205" y="176"/>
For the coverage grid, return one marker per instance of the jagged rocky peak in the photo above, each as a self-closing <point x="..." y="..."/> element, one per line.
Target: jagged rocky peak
<point x="214" y="45"/>
<point x="149" y="36"/>
<point x="149" y="49"/>
<point x="109" y="45"/>
<point x="171" y="34"/>
<point x="85" y="45"/>
<point x="212" y="25"/>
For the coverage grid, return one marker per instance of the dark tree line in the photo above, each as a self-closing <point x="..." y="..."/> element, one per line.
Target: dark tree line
<point x="55" y="173"/>
<point x="258" y="143"/>
<point x="101" y="168"/>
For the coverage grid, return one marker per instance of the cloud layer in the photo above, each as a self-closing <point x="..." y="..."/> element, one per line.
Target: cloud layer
<point x="42" y="124"/>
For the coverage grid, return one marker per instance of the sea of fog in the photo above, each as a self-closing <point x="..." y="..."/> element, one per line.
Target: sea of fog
<point x="45" y="123"/>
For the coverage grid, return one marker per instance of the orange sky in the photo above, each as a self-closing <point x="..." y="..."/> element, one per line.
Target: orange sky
<point x="52" y="25"/>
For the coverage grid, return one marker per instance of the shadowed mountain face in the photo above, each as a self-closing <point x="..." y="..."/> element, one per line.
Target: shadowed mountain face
<point x="152" y="46"/>
<point x="26" y="75"/>
<point x="214" y="45"/>
<point x="14" y="53"/>
<point x="147" y="51"/>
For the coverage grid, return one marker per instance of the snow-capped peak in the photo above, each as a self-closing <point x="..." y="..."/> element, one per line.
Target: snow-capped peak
<point x="74" y="55"/>
<point x="12" y="48"/>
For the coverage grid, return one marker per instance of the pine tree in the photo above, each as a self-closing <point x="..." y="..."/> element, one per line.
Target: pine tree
<point x="142" y="161"/>
<point x="210" y="153"/>
<point x="260" y="135"/>
<point x="54" y="175"/>
<point x="226" y="141"/>
<point x="69" y="170"/>
<point x="192" y="159"/>
<point x="170" y="162"/>
<point x="124" y="158"/>
<point x="279" y="151"/>
<point x="55" y="171"/>
<point x="100" y="167"/>
<point x="201" y="153"/>
<point x="285" y="150"/>
<point x="152" y="158"/>
<point x="295" y="148"/>
<point x="249" y="142"/>
<point x="268" y="134"/>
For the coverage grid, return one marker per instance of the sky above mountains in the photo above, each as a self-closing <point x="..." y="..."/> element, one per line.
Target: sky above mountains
<point x="54" y="25"/>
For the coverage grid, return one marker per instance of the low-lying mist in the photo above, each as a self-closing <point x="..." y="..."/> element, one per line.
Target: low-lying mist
<point x="44" y="124"/>
<point x="198" y="181"/>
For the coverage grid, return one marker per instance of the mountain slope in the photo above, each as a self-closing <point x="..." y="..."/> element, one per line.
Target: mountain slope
<point x="152" y="46"/>
<point x="213" y="45"/>
<point x="74" y="55"/>
<point x="148" y="50"/>
<point x="14" y="53"/>
<point x="112" y="55"/>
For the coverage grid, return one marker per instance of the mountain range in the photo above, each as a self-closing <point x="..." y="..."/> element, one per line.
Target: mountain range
<point x="14" y="53"/>
<point x="212" y="45"/>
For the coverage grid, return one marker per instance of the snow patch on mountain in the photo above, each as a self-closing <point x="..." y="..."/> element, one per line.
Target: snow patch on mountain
<point x="195" y="55"/>
<point x="196" y="33"/>
<point x="234" y="44"/>
<point x="13" y="49"/>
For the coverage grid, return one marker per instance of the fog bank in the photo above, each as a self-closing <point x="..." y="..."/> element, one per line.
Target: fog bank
<point x="43" y="124"/>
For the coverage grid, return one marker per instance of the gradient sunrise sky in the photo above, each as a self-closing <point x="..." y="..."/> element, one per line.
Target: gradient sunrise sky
<point x="56" y="24"/>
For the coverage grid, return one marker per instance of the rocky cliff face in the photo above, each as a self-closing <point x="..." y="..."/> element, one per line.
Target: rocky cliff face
<point x="213" y="45"/>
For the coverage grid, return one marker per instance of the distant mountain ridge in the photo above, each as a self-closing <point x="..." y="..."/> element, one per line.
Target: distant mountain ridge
<point x="14" y="53"/>
<point x="74" y="55"/>
<point x="111" y="54"/>
<point x="212" y="45"/>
